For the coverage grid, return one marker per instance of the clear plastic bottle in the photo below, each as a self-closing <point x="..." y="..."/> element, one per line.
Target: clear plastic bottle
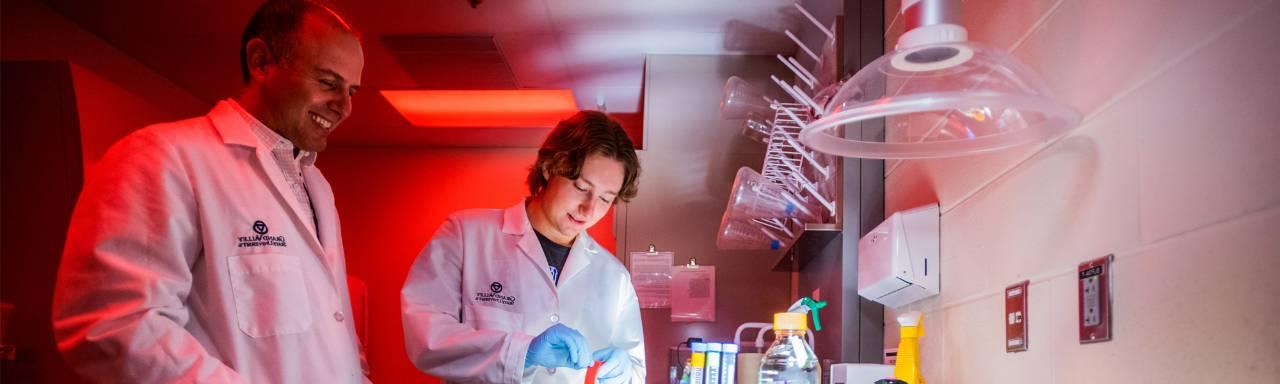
<point x="789" y="359"/>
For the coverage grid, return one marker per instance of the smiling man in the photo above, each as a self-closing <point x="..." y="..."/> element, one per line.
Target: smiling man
<point x="525" y="294"/>
<point x="208" y="250"/>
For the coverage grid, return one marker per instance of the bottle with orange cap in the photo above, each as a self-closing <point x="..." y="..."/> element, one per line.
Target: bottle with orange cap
<point x="789" y="359"/>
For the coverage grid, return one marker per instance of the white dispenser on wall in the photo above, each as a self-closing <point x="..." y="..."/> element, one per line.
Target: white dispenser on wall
<point x="898" y="261"/>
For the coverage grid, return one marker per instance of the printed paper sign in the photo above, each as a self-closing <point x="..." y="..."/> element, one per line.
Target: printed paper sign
<point x="651" y="277"/>
<point x="693" y="293"/>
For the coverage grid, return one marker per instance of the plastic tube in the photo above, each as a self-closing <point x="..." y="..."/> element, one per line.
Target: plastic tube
<point x="729" y="364"/>
<point x="713" y="363"/>
<point x="698" y="363"/>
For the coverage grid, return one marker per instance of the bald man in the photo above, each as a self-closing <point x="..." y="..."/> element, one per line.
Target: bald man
<point x="208" y="250"/>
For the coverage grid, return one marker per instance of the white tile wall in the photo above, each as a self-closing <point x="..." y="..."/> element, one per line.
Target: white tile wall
<point x="1093" y="51"/>
<point x="1197" y="308"/>
<point x="995" y="22"/>
<point x="1218" y="158"/>
<point x="1174" y="170"/>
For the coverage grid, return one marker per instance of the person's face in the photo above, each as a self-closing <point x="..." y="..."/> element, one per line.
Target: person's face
<point x="572" y="206"/>
<point x="308" y="94"/>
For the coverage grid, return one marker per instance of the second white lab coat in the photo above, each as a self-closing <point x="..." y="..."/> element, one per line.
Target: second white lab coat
<point x="481" y="290"/>
<point x="188" y="261"/>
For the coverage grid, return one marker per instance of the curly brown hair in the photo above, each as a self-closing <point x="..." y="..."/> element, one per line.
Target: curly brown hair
<point x="578" y="137"/>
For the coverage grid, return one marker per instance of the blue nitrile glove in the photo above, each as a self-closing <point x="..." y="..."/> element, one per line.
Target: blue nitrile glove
<point x="558" y="346"/>
<point x="617" y="362"/>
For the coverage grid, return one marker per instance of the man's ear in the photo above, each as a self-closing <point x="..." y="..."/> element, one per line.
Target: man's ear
<point x="258" y="56"/>
<point x="546" y="173"/>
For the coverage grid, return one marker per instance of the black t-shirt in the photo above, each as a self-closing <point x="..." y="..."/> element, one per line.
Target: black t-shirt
<point x="556" y="255"/>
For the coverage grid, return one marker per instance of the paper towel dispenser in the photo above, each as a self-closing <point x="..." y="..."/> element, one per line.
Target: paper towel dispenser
<point x="898" y="261"/>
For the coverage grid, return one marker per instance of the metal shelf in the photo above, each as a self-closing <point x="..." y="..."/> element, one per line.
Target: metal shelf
<point x="813" y="236"/>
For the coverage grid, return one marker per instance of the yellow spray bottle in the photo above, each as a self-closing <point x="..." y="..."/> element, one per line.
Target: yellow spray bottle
<point x="908" y="366"/>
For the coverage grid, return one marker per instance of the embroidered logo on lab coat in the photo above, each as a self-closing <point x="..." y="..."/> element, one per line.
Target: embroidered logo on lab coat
<point x="494" y="295"/>
<point x="261" y="238"/>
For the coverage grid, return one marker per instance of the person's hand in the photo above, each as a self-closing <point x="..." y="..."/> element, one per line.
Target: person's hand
<point x="616" y="363"/>
<point x="558" y="346"/>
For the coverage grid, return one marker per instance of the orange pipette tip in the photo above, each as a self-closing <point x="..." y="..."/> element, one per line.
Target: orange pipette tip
<point x="591" y="372"/>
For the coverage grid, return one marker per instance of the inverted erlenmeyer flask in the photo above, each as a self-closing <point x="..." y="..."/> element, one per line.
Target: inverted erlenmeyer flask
<point x="753" y="196"/>
<point x="745" y="234"/>
<point x="742" y="101"/>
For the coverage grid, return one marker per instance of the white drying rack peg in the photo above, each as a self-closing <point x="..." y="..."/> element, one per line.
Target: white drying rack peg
<point x="802" y="46"/>
<point x="801" y="74"/>
<point x="813" y="191"/>
<point x="795" y="93"/>
<point x="814" y="20"/>
<point x="784" y="144"/>
<point x="802" y="70"/>
<point x="777" y="225"/>
<point x="804" y="152"/>
<point x="797" y="175"/>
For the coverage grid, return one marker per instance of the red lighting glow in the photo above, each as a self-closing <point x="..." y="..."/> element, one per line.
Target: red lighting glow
<point x="517" y="108"/>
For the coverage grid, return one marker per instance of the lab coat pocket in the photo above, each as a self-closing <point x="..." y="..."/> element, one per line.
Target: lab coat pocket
<point x="270" y="294"/>
<point x="487" y="317"/>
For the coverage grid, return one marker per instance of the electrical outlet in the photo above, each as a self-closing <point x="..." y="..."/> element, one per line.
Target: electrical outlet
<point x="1095" y="299"/>
<point x="1015" y="317"/>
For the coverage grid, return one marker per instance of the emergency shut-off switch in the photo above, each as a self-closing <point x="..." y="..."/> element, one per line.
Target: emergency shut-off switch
<point x="1015" y="316"/>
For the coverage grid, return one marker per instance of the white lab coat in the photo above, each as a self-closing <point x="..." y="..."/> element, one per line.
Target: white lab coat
<point x="481" y="290"/>
<point x="165" y="279"/>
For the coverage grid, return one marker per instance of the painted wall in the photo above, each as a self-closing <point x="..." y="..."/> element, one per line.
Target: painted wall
<point x="36" y="207"/>
<point x="391" y="200"/>
<point x="116" y="94"/>
<point x="1174" y="170"/>
<point x="108" y="94"/>
<point x="690" y="160"/>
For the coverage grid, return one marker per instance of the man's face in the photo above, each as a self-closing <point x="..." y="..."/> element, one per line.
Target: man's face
<point x="572" y="206"/>
<point x="308" y="93"/>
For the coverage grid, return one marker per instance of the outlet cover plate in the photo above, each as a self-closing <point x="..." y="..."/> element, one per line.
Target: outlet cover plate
<point x="1094" y="299"/>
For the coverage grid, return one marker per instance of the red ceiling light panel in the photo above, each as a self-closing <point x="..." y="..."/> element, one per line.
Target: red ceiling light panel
<point x="515" y="108"/>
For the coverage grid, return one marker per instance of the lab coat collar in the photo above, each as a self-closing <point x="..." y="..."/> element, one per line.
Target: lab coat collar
<point x="233" y="128"/>
<point x="580" y="255"/>
<point x="238" y="126"/>
<point x="515" y="221"/>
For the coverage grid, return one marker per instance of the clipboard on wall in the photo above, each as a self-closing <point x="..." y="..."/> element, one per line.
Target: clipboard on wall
<point x="693" y="293"/>
<point x="651" y="277"/>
